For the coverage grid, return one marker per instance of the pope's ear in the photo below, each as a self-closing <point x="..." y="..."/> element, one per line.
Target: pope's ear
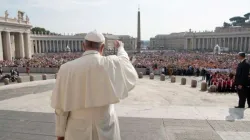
<point x="102" y="47"/>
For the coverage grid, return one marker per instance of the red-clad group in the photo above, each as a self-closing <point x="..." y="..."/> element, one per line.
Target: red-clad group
<point x="223" y="82"/>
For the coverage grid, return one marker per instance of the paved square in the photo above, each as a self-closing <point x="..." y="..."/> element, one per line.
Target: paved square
<point x="154" y="110"/>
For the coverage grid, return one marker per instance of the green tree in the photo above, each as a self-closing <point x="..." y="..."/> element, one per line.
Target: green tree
<point x="247" y="16"/>
<point x="225" y="24"/>
<point x="39" y="30"/>
<point x="238" y="21"/>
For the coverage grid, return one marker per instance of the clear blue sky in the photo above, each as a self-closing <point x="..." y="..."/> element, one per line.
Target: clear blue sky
<point x="120" y="16"/>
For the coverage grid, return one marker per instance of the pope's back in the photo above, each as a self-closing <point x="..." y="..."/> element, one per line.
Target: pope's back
<point x="87" y="89"/>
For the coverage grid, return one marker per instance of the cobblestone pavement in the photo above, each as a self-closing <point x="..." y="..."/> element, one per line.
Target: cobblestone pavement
<point x="154" y="110"/>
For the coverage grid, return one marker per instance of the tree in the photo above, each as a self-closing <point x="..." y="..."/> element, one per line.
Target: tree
<point x="247" y="16"/>
<point x="238" y="21"/>
<point x="39" y="30"/>
<point x="225" y="24"/>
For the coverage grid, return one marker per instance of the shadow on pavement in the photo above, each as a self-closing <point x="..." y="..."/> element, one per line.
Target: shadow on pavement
<point x="235" y="114"/>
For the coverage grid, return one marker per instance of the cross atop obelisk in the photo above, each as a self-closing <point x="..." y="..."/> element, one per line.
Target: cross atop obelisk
<point x="139" y="31"/>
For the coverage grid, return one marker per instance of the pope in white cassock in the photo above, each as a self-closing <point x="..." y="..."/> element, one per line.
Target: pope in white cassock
<point x="87" y="89"/>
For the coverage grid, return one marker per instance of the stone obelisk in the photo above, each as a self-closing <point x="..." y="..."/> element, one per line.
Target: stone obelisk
<point x="139" y="32"/>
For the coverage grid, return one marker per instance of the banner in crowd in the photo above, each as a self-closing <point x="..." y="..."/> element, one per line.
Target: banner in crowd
<point x="220" y="70"/>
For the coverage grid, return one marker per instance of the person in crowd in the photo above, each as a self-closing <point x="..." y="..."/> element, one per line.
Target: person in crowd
<point x="17" y="72"/>
<point x="12" y="72"/>
<point x="1" y="71"/>
<point x="197" y="72"/>
<point x="241" y="81"/>
<point x="203" y="73"/>
<point x="208" y="78"/>
<point x="86" y="90"/>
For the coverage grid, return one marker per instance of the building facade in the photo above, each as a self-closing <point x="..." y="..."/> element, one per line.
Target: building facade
<point x="233" y="38"/>
<point x="171" y="41"/>
<point x="42" y="43"/>
<point x="130" y="43"/>
<point x="14" y="37"/>
<point x="17" y="41"/>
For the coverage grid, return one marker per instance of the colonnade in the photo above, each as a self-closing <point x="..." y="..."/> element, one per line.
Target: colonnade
<point x="14" y="45"/>
<point x="53" y="46"/>
<point x="232" y="43"/>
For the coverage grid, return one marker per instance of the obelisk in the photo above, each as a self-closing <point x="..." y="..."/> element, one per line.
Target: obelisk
<point x="139" y="31"/>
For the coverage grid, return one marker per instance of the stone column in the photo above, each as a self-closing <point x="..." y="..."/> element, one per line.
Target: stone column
<point x="50" y="44"/>
<point x="72" y="45"/>
<point x="225" y="42"/>
<point x="207" y="43"/>
<point x="186" y="44"/>
<point x="61" y="45"/>
<point x="220" y="42"/>
<point x="7" y="46"/>
<point x="39" y="46"/>
<point x="20" y="45"/>
<point x="54" y="46"/>
<point x="57" y="45"/>
<point x="240" y="41"/>
<point x="79" y="46"/>
<point x="199" y="44"/>
<point x="47" y="44"/>
<point x="245" y="45"/>
<point x="211" y="43"/>
<point x="76" y="45"/>
<point x="27" y="50"/>
<point x="237" y="44"/>
<point x="203" y="44"/>
<point x="44" y="46"/>
<point x="248" y="43"/>
<point x="1" y="46"/>
<point x="42" y="51"/>
<point x="193" y="43"/>
<point x="36" y="46"/>
<point x="233" y="47"/>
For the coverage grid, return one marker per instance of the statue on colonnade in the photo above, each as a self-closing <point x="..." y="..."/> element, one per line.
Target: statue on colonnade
<point x="27" y="19"/>
<point x="217" y="49"/>
<point x="20" y="15"/>
<point x="6" y="14"/>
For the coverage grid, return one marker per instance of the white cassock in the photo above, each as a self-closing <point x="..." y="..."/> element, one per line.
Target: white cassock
<point x="85" y="93"/>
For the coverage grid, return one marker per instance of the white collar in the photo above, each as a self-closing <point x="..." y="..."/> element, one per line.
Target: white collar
<point x="90" y="52"/>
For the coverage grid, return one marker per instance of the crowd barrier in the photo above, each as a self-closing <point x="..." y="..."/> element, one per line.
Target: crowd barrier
<point x="143" y="70"/>
<point x="32" y="70"/>
<point x="55" y="70"/>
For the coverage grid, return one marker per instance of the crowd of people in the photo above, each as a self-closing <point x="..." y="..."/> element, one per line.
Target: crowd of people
<point x="217" y="70"/>
<point x="51" y="60"/>
<point x="179" y="60"/>
<point x="168" y="62"/>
